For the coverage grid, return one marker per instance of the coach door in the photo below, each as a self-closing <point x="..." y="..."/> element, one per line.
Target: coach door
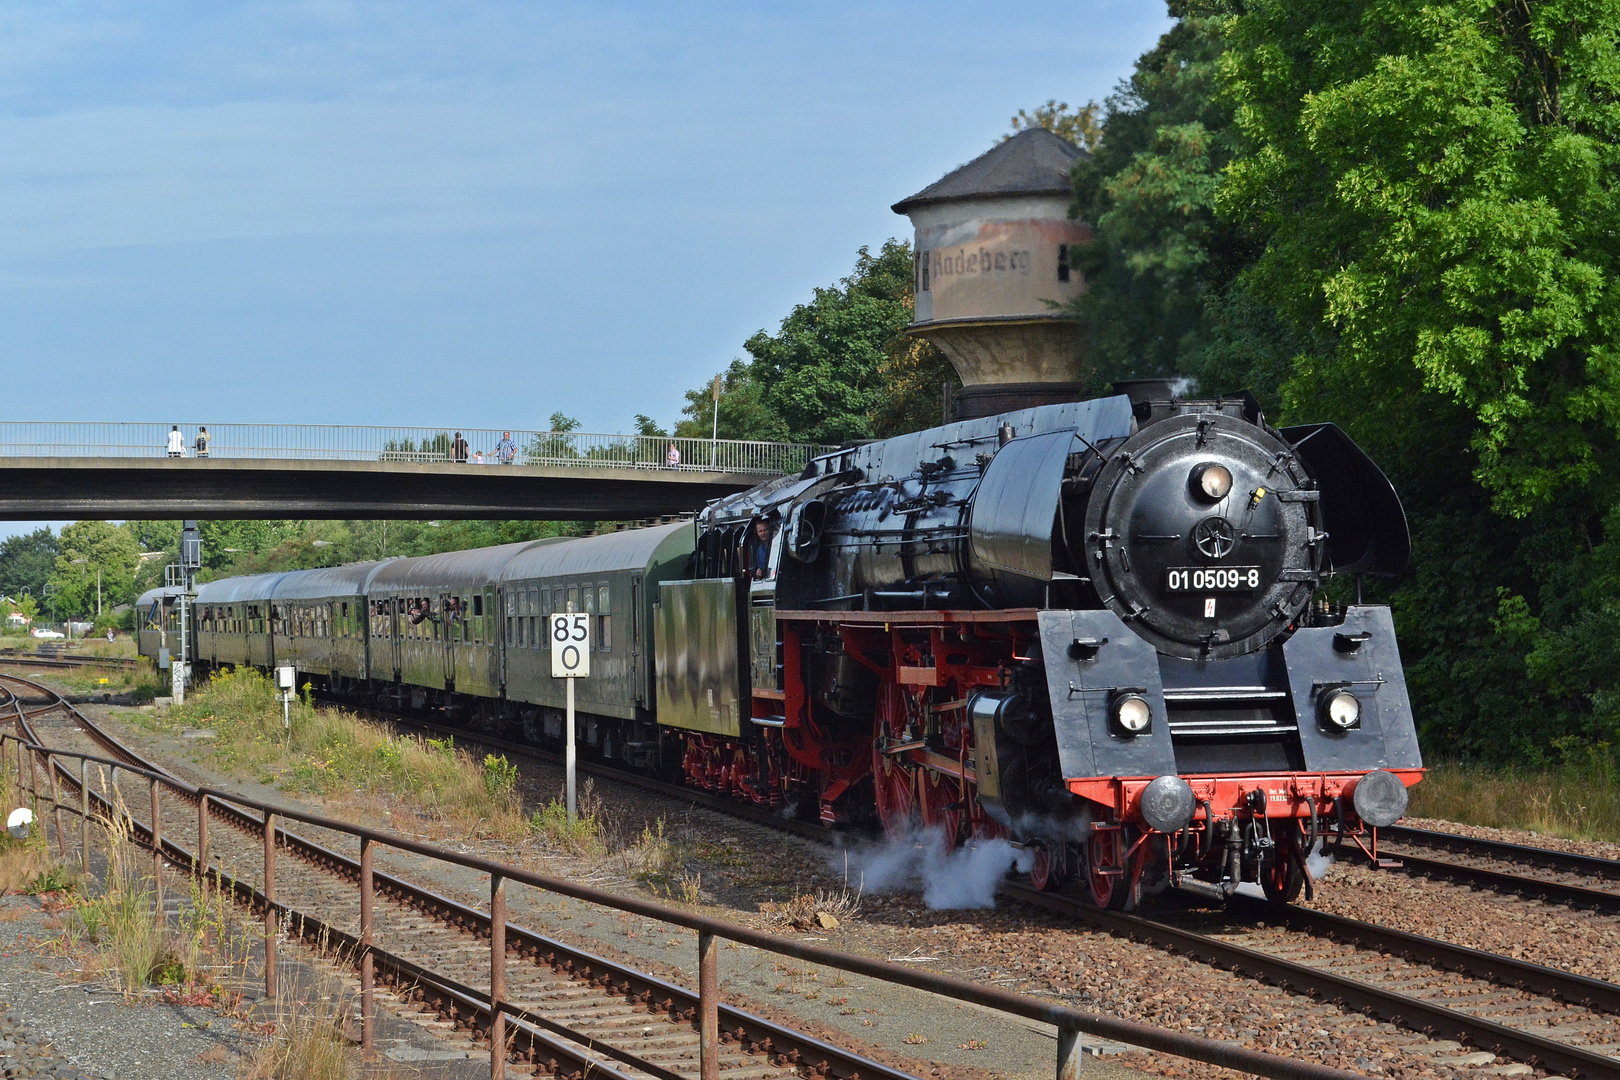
<point x="450" y="626"/>
<point x="638" y="689"/>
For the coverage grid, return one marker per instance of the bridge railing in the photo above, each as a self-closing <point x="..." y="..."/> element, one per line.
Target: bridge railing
<point x="316" y="442"/>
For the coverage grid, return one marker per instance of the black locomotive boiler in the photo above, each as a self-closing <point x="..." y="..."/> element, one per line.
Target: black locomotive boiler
<point x="1096" y="629"/>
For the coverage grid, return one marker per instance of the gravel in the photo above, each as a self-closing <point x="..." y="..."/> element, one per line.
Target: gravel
<point x="53" y="1025"/>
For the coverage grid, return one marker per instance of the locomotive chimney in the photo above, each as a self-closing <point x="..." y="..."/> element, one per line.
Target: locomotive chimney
<point x="993" y="242"/>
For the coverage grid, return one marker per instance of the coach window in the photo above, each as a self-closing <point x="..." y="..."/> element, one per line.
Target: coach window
<point x="511" y="616"/>
<point x="573" y="599"/>
<point x="534" y="618"/>
<point x="478" y="613"/>
<point x="590" y="612"/>
<point x="605" y="616"/>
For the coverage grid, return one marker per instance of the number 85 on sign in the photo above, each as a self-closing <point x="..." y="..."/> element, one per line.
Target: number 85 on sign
<point x="570" y="645"/>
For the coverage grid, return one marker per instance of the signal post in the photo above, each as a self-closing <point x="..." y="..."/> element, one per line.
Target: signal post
<point x="570" y="659"/>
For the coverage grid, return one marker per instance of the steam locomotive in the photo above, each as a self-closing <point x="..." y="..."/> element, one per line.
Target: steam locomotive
<point x="1095" y="629"/>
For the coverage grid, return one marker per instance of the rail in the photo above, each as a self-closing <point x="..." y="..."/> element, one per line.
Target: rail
<point x="315" y="442"/>
<point x="1070" y="1023"/>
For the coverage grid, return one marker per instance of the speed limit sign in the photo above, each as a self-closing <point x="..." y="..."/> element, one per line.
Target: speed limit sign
<point x="570" y="645"/>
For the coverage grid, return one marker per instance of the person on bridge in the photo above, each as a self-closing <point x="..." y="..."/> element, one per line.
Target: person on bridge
<point x="459" y="449"/>
<point x="177" y="442"/>
<point x="506" y="449"/>
<point x="203" y="439"/>
<point x="672" y="460"/>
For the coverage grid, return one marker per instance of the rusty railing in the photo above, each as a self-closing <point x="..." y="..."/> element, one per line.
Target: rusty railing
<point x="1070" y="1023"/>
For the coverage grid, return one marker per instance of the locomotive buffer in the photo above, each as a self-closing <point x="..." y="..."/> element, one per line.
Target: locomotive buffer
<point x="570" y="659"/>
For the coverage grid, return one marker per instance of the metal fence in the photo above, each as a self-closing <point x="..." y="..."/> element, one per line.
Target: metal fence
<point x="317" y="442"/>
<point x="1070" y="1023"/>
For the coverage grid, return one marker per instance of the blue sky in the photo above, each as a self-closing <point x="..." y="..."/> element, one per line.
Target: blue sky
<point x="471" y="214"/>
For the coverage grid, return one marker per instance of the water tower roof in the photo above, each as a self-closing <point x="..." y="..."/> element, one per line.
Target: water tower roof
<point x="1032" y="162"/>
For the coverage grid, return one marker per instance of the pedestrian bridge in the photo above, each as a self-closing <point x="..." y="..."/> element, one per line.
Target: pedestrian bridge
<point x="125" y="470"/>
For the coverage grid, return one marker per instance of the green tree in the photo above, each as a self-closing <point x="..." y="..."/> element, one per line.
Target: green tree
<point x="1435" y="187"/>
<point x="744" y="413"/>
<point x="89" y="548"/>
<point x="1437" y="184"/>
<point x="1082" y="126"/>
<point x="839" y="367"/>
<point x="1160" y="265"/>
<point x="827" y="372"/>
<point x="26" y="562"/>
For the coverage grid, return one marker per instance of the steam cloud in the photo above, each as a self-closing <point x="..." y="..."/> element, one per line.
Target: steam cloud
<point x="964" y="878"/>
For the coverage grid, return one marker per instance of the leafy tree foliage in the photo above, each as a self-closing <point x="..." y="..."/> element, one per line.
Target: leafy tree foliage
<point x="1400" y="216"/>
<point x="26" y="562"/>
<point x="1161" y="263"/>
<point x="89" y="547"/>
<point x="1082" y="126"/>
<point x="1437" y="184"/>
<point x="744" y="413"/>
<point x="840" y="367"/>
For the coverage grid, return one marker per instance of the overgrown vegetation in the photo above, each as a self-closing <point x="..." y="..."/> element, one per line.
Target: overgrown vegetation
<point x="1577" y="800"/>
<point x="25" y="864"/>
<point x="197" y="951"/>
<point x="327" y="751"/>
<point x="307" y="1044"/>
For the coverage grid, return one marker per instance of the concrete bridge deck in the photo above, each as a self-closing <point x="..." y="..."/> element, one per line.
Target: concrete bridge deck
<point x="43" y="488"/>
<point x="91" y="470"/>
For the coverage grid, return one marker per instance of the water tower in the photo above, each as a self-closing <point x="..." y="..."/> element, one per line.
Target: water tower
<point x="992" y="273"/>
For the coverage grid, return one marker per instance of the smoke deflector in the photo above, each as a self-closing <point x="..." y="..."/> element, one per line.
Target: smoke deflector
<point x="1015" y="507"/>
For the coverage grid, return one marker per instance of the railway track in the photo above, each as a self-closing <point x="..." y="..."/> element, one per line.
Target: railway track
<point x="577" y="1012"/>
<point x="121" y="663"/>
<point x="1538" y="873"/>
<point x="1499" y="1006"/>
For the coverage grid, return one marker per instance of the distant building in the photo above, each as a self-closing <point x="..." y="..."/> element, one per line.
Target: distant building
<point x="17" y="621"/>
<point x="993" y="244"/>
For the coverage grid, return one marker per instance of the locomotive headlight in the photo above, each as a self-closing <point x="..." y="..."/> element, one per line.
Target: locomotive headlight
<point x="1132" y="714"/>
<point x="1340" y="710"/>
<point x="1212" y="482"/>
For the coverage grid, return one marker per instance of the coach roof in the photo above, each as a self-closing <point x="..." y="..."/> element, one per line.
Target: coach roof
<point x="627" y="550"/>
<point x="473" y="568"/>
<point x="350" y="579"/>
<point x="234" y="590"/>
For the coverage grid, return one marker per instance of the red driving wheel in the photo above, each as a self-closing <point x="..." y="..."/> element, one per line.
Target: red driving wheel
<point x="893" y="784"/>
<point x="935" y="796"/>
<point x="1105" y="851"/>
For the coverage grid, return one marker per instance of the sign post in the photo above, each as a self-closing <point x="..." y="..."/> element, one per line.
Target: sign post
<point x="570" y="637"/>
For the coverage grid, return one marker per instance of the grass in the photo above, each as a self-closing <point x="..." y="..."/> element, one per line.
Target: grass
<point x="307" y="1044"/>
<point x="1578" y="800"/>
<point x="328" y="751"/>
<point x="142" y="683"/>
<point x="122" y="932"/>
<point x="25" y="863"/>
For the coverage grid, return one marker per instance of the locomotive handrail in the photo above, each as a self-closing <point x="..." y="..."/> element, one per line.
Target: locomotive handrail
<point x="420" y="445"/>
<point x="1069" y="1022"/>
